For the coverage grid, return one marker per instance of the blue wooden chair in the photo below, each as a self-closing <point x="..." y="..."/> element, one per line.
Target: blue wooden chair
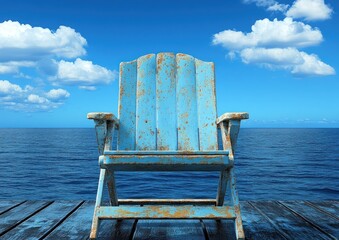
<point x="167" y="122"/>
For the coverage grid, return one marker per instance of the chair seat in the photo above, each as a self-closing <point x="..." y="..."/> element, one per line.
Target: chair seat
<point x="165" y="161"/>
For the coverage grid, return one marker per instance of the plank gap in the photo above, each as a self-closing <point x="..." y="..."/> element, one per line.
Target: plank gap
<point x="24" y="219"/>
<point x="204" y="229"/>
<point x="321" y="210"/>
<point x="10" y="208"/>
<point x="134" y="227"/>
<point x="314" y="225"/>
<point x="282" y="233"/>
<point x="61" y="221"/>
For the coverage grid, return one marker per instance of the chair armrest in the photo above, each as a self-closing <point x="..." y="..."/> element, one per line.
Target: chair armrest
<point x="105" y="125"/>
<point x="232" y="116"/>
<point x="229" y="124"/>
<point x="103" y="116"/>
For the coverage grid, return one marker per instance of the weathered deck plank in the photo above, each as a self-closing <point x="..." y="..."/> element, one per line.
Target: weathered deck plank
<point x="19" y="214"/>
<point x="331" y="207"/>
<point x="223" y="229"/>
<point x="290" y="224"/>
<point x="257" y="226"/>
<point x="322" y="221"/>
<point x="262" y="220"/>
<point x="38" y="226"/>
<point x="5" y="205"/>
<point x="169" y="229"/>
<point x="76" y="226"/>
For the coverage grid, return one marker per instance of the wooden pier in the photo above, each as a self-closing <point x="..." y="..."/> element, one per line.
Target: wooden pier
<point x="262" y="220"/>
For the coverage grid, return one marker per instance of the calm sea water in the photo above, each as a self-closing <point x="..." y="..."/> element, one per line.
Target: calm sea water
<point x="278" y="164"/>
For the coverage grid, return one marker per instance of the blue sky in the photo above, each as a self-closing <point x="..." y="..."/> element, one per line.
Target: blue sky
<point x="277" y="60"/>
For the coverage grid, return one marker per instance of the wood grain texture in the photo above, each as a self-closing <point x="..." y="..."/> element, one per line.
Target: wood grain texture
<point x="263" y="220"/>
<point x="42" y="222"/>
<point x="319" y="219"/>
<point x="127" y="105"/>
<point x="76" y="226"/>
<point x="257" y="226"/>
<point x="206" y="103"/>
<point x="19" y="214"/>
<point x="287" y="222"/>
<point x="166" y="102"/>
<point x="170" y="229"/>
<point x="146" y="101"/>
<point x="6" y="205"/>
<point x="186" y="103"/>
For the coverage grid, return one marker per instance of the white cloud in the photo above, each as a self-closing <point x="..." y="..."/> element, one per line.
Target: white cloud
<point x="310" y="10"/>
<point x="33" y="98"/>
<point x="57" y="94"/>
<point x="274" y="45"/>
<point x="8" y="88"/>
<point x="22" y="45"/>
<point x="270" y="5"/>
<point x="83" y="73"/>
<point x="312" y="66"/>
<point x="266" y="33"/>
<point x="21" y="42"/>
<point x="272" y="57"/>
<point x="29" y="99"/>
<point x="297" y="62"/>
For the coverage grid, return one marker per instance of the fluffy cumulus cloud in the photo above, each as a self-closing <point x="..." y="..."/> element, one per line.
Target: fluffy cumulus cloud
<point x="310" y="10"/>
<point x="24" y="42"/>
<point x="297" y="62"/>
<point x="276" y="44"/>
<point x="82" y="73"/>
<point x="51" y="56"/>
<point x="22" y="45"/>
<point x="267" y="33"/>
<point x="29" y="99"/>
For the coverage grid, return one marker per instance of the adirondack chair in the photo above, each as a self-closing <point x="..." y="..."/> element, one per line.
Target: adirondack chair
<point x="167" y="122"/>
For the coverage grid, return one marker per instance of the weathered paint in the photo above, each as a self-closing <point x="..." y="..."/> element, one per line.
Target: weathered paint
<point x="103" y="116"/>
<point x="166" y="102"/>
<point x="167" y="122"/>
<point x="166" y="212"/>
<point x="264" y="220"/>
<point x="155" y="152"/>
<point x="222" y="187"/>
<point x="186" y="103"/>
<point x="232" y="116"/>
<point x="145" y="136"/>
<point x="127" y="105"/>
<point x="147" y="201"/>
<point x="206" y="103"/>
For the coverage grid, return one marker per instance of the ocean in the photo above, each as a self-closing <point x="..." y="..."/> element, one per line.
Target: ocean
<point x="271" y="164"/>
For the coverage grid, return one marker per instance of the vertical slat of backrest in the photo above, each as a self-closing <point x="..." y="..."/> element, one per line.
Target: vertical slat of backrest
<point x="145" y="117"/>
<point x="206" y="101"/>
<point x="127" y="105"/>
<point x="186" y="104"/>
<point x="166" y="102"/>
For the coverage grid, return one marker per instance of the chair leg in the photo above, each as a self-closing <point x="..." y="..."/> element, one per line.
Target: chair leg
<point x="235" y="202"/>
<point x="110" y="179"/>
<point x="98" y="202"/>
<point x="222" y="186"/>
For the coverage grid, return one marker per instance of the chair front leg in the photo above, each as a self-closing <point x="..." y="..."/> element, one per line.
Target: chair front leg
<point x="235" y="202"/>
<point x="98" y="203"/>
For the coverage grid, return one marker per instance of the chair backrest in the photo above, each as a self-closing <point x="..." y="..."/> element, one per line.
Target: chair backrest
<point x="167" y="102"/>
